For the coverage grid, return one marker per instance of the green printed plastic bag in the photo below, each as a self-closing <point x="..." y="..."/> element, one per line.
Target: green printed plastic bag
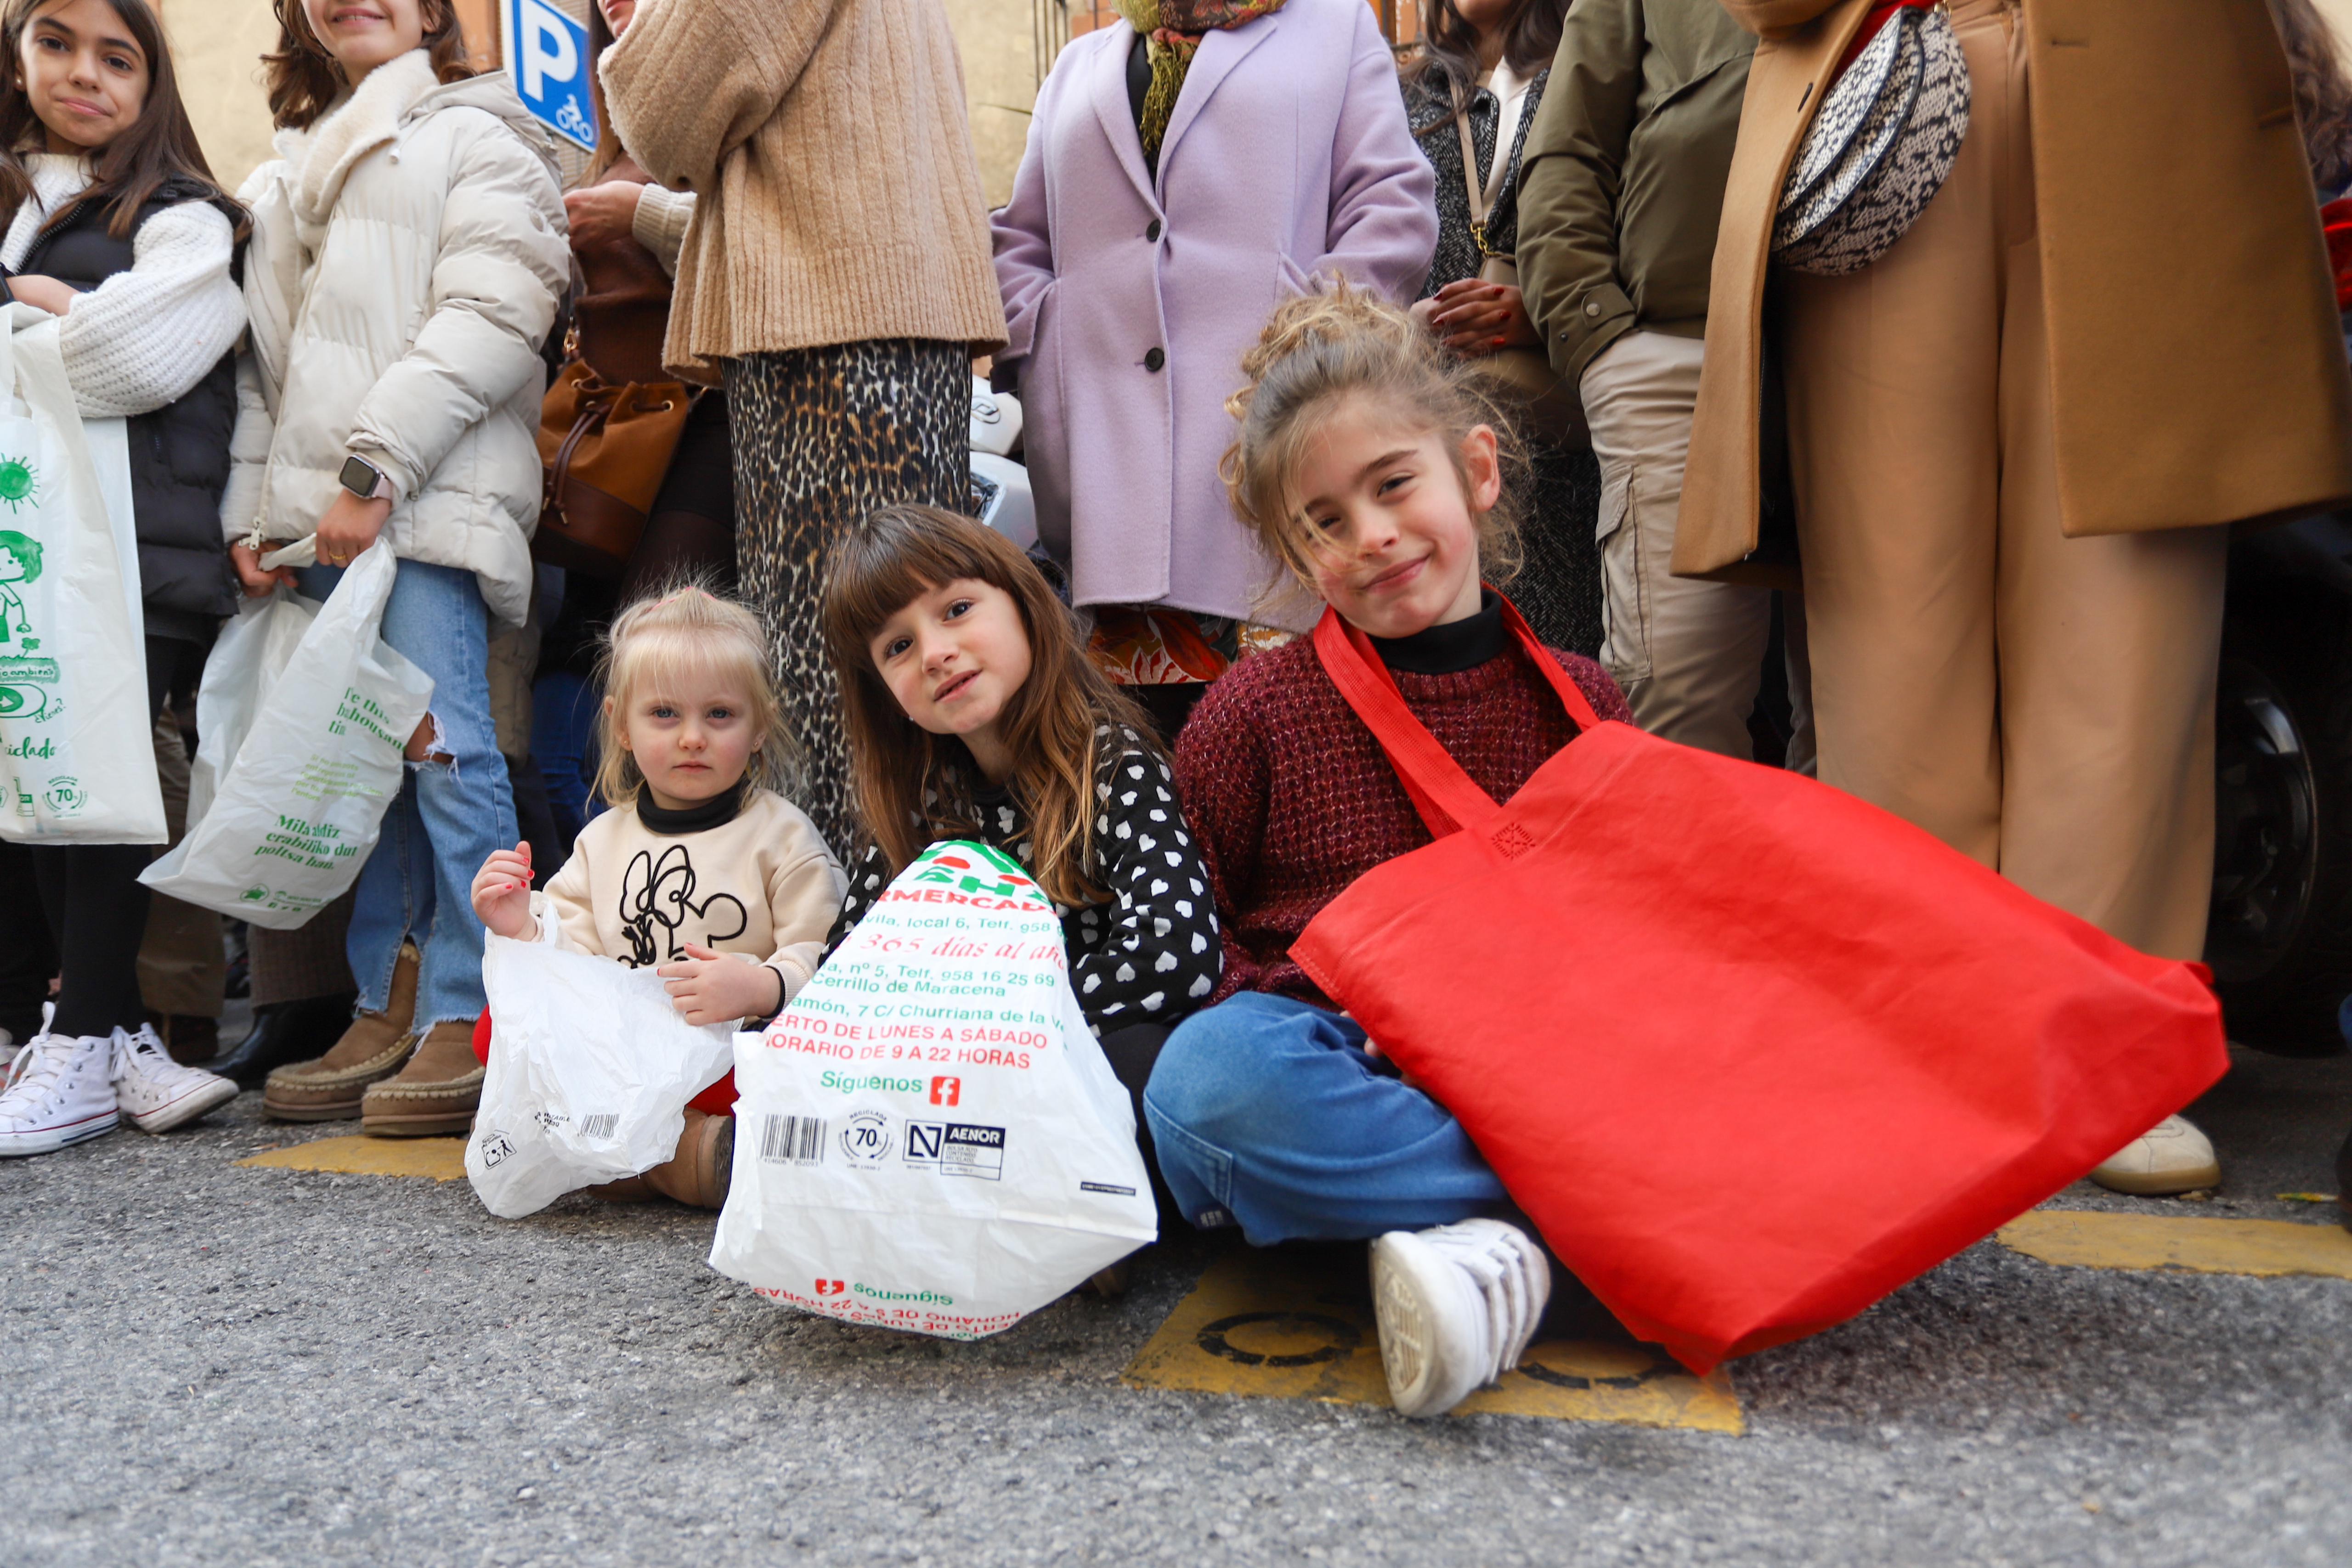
<point x="304" y="796"/>
<point x="77" y="753"/>
<point x="928" y="1138"/>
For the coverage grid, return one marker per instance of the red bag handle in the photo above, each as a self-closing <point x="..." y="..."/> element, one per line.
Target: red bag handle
<point x="1447" y="797"/>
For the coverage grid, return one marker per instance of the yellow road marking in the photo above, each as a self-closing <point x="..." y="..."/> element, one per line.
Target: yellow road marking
<point x="1274" y="1323"/>
<point x="2101" y="1240"/>
<point x="443" y="1159"/>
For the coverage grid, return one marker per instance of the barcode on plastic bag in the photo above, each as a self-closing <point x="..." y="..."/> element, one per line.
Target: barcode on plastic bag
<point x="796" y="1140"/>
<point x="600" y="1125"/>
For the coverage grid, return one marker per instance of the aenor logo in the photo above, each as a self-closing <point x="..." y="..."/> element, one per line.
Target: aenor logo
<point x="831" y="1287"/>
<point x="947" y="1090"/>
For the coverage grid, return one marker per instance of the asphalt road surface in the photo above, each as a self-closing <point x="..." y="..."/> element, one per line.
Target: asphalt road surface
<point x="205" y="1363"/>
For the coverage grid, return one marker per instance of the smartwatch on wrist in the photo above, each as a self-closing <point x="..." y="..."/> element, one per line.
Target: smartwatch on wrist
<point x="364" y="479"/>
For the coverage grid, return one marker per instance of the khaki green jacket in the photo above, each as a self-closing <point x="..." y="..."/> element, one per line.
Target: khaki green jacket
<point x="1622" y="178"/>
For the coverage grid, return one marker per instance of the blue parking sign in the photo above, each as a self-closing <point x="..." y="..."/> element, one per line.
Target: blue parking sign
<point x="546" y="55"/>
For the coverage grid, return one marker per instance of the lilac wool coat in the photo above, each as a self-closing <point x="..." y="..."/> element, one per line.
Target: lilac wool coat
<point x="1130" y="303"/>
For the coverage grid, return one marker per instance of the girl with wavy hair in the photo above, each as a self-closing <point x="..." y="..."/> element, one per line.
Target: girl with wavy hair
<point x="973" y="712"/>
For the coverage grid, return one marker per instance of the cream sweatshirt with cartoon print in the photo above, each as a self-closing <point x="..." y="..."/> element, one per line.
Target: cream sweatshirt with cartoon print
<point x="643" y="882"/>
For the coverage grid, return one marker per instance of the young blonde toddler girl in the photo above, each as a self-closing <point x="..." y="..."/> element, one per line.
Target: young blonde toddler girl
<point x="703" y="870"/>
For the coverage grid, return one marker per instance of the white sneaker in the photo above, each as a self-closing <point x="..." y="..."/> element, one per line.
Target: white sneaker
<point x="60" y="1091"/>
<point x="156" y="1092"/>
<point x="1456" y="1307"/>
<point x="2171" y="1158"/>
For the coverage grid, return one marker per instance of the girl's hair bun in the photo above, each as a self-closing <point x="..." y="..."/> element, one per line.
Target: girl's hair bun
<point x="1320" y="351"/>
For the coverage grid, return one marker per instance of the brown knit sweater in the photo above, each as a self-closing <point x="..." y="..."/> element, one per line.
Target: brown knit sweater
<point x="828" y="142"/>
<point x="1292" y="798"/>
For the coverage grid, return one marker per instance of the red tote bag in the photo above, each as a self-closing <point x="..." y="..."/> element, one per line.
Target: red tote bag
<point x="1750" y="1051"/>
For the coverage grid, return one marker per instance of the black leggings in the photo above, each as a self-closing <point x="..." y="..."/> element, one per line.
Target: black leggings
<point x="1131" y="1052"/>
<point x="97" y="906"/>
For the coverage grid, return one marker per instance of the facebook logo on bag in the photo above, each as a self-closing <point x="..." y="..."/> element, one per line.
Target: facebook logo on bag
<point x="547" y="53"/>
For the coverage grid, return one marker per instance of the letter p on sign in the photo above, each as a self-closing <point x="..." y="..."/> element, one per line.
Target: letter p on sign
<point x="548" y="53"/>
<point x="547" y="49"/>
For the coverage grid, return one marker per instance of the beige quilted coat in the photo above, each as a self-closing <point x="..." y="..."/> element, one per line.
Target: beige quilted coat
<point x="407" y="253"/>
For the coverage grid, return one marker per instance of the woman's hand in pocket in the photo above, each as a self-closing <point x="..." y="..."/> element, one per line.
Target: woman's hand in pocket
<point x="350" y="526"/>
<point x="257" y="582"/>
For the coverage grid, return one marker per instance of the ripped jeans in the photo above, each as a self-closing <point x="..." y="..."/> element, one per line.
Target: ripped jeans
<point x="418" y="882"/>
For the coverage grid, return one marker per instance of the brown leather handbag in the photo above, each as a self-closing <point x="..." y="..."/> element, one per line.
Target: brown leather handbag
<point x="612" y="422"/>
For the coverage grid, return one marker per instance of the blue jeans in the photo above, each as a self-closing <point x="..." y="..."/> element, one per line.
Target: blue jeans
<point x="1267" y="1113"/>
<point x="449" y="815"/>
<point x="564" y="711"/>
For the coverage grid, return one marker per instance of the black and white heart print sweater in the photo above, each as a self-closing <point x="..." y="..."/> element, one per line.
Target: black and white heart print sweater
<point x="1150" y="955"/>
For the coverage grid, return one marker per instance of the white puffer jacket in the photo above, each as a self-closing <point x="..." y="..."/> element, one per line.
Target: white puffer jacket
<point x="408" y="250"/>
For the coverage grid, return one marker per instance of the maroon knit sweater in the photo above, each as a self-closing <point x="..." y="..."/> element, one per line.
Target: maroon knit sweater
<point x="1292" y="800"/>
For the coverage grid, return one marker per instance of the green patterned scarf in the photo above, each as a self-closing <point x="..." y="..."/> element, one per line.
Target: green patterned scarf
<point x="1175" y="28"/>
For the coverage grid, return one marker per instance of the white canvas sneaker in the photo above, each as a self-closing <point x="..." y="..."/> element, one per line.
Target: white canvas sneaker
<point x="1456" y="1307"/>
<point x="156" y="1092"/>
<point x="60" y="1091"/>
<point x="2171" y="1158"/>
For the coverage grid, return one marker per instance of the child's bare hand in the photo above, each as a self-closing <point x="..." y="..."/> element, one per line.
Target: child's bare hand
<point x="1373" y="1049"/>
<point x="710" y="987"/>
<point x="502" y="893"/>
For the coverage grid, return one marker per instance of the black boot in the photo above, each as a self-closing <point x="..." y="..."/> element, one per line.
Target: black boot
<point x="284" y="1033"/>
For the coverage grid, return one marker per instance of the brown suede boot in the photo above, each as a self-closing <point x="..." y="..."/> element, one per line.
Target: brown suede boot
<point x="628" y="1189"/>
<point x="699" y="1173"/>
<point x="437" y="1091"/>
<point x="329" y="1088"/>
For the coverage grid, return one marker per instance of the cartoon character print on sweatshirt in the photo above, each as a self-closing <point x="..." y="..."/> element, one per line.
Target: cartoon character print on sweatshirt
<point x="659" y="895"/>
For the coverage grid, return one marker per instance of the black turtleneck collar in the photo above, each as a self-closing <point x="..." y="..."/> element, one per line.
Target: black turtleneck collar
<point x="1449" y="649"/>
<point x="715" y="812"/>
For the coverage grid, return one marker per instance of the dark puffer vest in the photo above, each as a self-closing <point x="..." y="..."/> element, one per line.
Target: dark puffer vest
<point x="179" y="453"/>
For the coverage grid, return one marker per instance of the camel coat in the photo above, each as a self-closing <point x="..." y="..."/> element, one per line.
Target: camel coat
<point x="2197" y="359"/>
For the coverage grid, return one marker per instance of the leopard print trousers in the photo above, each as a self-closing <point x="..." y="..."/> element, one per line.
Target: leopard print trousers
<point x="823" y="436"/>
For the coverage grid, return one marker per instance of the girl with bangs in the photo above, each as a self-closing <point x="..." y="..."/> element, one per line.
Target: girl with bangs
<point x="702" y="871"/>
<point x="973" y="712"/>
<point x="112" y="222"/>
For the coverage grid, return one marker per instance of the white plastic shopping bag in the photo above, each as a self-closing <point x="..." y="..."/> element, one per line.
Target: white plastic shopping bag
<point x="928" y="1138"/>
<point x="289" y="826"/>
<point x="590" y="1071"/>
<point x="77" y="751"/>
<point x="252" y="651"/>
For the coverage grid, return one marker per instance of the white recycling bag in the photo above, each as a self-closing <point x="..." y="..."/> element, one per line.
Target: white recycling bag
<point x="252" y="651"/>
<point x="77" y="748"/>
<point x="928" y="1138"/>
<point x="289" y="827"/>
<point x="590" y="1071"/>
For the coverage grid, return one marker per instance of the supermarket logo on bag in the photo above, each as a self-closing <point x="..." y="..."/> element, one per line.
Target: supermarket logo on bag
<point x="947" y="1090"/>
<point x="975" y="870"/>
